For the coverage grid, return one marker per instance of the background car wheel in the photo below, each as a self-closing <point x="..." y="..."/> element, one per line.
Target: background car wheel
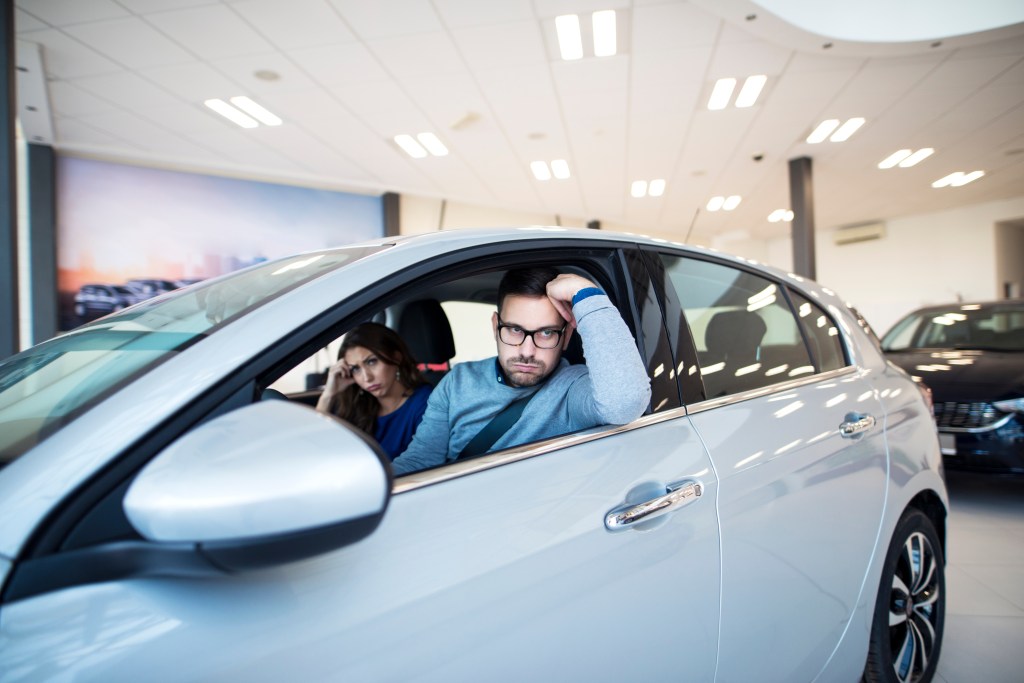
<point x="906" y="632"/>
<point x="79" y="310"/>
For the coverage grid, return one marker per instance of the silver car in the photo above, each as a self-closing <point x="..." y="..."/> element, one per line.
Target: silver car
<point x="778" y="514"/>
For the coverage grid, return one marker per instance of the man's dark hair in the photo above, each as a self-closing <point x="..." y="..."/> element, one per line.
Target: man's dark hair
<point x="525" y="282"/>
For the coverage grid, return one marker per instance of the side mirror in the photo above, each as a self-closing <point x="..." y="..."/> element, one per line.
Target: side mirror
<point x="262" y="485"/>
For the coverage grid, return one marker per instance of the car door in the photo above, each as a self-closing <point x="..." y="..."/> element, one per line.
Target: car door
<point x="800" y="502"/>
<point x="501" y="568"/>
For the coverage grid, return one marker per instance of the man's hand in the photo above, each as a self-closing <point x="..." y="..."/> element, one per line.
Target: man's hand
<point x="562" y="289"/>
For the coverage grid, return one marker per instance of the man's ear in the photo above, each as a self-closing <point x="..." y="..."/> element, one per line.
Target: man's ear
<point x="494" y="324"/>
<point x="566" y="336"/>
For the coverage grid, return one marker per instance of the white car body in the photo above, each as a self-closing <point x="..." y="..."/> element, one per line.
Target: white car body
<point x="500" y="568"/>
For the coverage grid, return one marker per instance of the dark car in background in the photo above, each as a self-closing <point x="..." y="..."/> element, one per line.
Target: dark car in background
<point x="971" y="355"/>
<point x="100" y="299"/>
<point x="150" y="287"/>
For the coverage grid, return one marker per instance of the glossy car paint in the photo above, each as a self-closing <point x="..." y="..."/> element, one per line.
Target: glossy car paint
<point x="461" y="575"/>
<point x="510" y="570"/>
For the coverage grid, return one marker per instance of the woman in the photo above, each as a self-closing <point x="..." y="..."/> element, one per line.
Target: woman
<point x="377" y="387"/>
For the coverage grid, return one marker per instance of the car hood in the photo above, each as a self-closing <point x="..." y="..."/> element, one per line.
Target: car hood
<point x="967" y="375"/>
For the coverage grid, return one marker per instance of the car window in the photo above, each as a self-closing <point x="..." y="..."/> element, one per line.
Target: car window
<point x="47" y="386"/>
<point x="821" y="332"/>
<point x="960" y="326"/>
<point x="744" y="331"/>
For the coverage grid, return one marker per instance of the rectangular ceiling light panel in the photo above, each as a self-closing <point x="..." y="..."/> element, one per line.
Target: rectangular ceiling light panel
<point x="570" y="42"/>
<point x="750" y="91"/>
<point x="604" y="33"/>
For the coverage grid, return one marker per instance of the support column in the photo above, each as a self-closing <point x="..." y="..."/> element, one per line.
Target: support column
<point x="390" y="202"/>
<point x="42" y="241"/>
<point x="801" y="199"/>
<point x="8" y="189"/>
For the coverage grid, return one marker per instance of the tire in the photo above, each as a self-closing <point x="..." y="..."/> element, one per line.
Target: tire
<point x="80" y="310"/>
<point x="910" y="611"/>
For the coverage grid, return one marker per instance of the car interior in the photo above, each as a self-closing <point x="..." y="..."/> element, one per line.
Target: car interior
<point x="443" y="325"/>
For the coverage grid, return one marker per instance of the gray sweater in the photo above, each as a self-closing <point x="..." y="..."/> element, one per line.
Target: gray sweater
<point x="613" y="388"/>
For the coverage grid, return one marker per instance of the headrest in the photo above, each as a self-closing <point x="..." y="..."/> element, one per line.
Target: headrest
<point x="731" y="332"/>
<point x="425" y="328"/>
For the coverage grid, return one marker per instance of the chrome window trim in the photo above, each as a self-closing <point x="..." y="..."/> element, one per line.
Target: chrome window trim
<point x="977" y="430"/>
<point x="417" y="480"/>
<point x="437" y="475"/>
<point x="771" y="389"/>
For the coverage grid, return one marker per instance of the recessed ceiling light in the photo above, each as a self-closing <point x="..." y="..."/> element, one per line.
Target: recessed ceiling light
<point x="731" y="202"/>
<point x="823" y="130"/>
<point x="751" y="89"/>
<point x="715" y="203"/>
<point x="917" y="157"/>
<point x="256" y="111"/>
<point x="604" y="33"/>
<point x="721" y="93"/>
<point x="232" y="114"/>
<point x="570" y="43"/>
<point x="433" y="144"/>
<point x="657" y="187"/>
<point x="957" y="179"/>
<point x="780" y="215"/>
<point x="638" y="189"/>
<point x="847" y="129"/>
<point x="894" y="158"/>
<point x="411" y="147"/>
<point x="560" y="167"/>
<point x="540" y="170"/>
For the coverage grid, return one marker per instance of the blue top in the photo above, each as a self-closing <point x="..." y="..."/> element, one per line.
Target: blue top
<point x="394" y="430"/>
<point x="612" y="388"/>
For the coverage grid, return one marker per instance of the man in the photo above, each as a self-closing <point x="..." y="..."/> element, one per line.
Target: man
<point x="538" y="310"/>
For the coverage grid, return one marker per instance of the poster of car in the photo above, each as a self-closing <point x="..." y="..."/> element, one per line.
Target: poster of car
<point x="127" y="233"/>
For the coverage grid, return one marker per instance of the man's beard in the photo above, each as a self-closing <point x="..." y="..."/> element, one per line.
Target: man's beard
<point x="522" y="379"/>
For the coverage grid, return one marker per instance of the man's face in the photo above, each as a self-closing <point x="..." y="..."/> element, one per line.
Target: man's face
<point x="526" y="365"/>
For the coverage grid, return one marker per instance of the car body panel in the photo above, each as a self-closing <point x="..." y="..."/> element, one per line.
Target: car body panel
<point x="797" y="463"/>
<point x="510" y="571"/>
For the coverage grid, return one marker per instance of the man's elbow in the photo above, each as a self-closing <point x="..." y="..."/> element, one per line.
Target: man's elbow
<point x="625" y="411"/>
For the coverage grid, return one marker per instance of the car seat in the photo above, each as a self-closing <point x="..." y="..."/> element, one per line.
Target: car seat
<point x="733" y="338"/>
<point x="424" y="326"/>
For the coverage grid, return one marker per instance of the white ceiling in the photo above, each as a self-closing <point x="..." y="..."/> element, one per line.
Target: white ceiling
<point x="126" y="80"/>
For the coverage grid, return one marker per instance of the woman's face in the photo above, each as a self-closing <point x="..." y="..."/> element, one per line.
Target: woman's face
<point x="372" y="373"/>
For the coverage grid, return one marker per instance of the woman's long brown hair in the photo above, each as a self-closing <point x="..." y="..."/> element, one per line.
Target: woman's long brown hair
<point x="359" y="407"/>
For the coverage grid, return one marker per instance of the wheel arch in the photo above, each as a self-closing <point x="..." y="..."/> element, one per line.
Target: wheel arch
<point x="932" y="506"/>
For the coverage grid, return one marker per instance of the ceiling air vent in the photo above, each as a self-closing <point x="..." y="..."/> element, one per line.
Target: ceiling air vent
<point x="859" y="233"/>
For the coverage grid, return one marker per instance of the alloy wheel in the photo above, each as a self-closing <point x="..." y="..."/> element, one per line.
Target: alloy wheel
<point x="913" y="608"/>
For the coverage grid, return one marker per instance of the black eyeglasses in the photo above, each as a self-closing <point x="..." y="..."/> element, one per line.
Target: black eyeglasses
<point x="544" y="338"/>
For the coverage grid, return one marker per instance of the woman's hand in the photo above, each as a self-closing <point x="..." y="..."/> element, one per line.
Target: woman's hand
<point x="339" y="378"/>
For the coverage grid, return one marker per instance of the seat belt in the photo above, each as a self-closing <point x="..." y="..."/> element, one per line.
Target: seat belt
<point x="494" y="429"/>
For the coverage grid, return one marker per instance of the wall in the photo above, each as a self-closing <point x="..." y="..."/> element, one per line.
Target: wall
<point x="924" y="259"/>
<point x="426" y="214"/>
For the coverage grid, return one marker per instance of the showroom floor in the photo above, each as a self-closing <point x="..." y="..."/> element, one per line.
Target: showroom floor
<point x="984" y="639"/>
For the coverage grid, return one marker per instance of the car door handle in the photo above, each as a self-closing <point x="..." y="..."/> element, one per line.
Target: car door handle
<point x="855" y="424"/>
<point x="676" y="496"/>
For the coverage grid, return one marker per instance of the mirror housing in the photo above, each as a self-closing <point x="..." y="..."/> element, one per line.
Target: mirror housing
<point x="262" y="485"/>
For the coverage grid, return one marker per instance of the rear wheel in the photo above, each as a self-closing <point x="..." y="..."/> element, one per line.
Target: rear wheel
<point x="906" y="632"/>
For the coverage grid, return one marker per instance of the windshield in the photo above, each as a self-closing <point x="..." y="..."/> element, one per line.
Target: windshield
<point x="995" y="327"/>
<point x="48" y="385"/>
